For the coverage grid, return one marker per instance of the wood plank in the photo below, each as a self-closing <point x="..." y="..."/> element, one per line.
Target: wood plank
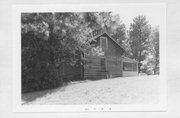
<point x="96" y="67"/>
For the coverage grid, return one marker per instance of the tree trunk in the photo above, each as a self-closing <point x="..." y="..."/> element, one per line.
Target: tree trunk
<point x="155" y="69"/>
<point x="139" y="64"/>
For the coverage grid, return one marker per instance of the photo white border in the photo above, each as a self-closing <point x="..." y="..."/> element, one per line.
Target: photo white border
<point x="16" y="22"/>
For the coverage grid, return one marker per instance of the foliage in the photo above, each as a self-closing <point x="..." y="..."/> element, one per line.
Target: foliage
<point x="38" y="72"/>
<point x="48" y="40"/>
<point x="97" y="51"/>
<point x="139" y="35"/>
<point x="112" y="24"/>
<point x="151" y="65"/>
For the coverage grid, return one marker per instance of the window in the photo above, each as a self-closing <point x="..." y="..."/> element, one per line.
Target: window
<point x="129" y="66"/>
<point x="103" y="42"/>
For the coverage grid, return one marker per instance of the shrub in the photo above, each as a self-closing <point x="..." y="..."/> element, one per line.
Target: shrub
<point x="40" y="77"/>
<point x="38" y="70"/>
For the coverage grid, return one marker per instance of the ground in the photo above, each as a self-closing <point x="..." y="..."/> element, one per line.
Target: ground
<point x="122" y="90"/>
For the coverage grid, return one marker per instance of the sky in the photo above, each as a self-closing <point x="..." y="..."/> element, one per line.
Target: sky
<point x="152" y="14"/>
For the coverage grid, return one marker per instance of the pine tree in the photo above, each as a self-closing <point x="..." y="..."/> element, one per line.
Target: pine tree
<point x="139" y="37"/>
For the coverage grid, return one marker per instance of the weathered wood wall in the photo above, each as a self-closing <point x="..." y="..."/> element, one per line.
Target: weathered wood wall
<point x="102" y="67"/>
<point x="94" y="68"/>
<point x="114" y="66"/>
<point x="108" y="65"/>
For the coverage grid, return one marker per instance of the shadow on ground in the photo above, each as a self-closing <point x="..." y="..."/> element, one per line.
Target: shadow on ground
<point x="29" y="97"/>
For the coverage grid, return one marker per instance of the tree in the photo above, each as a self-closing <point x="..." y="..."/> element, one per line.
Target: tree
<point x="113" y="25"/>
<point x="138" y="38"/>
<point x="153" y="52"/>
<point x="48" y="41"/>
<point x="98" y="22"/>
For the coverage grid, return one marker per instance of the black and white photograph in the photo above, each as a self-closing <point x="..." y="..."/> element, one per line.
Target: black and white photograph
<point x="108" y="56"/>
<point x="89" y="59"/>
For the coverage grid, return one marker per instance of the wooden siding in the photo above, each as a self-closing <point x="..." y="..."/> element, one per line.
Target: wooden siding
<point x="113" y="67"/>
<point x="94" y="68"/>
<point x="102" y="67"/>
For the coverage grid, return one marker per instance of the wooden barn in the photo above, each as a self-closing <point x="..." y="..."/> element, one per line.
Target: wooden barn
<point x="105" y="60"/>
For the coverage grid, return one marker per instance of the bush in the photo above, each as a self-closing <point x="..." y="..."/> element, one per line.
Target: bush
<point x="38" y="70"/>
<point x="40" y="77"/>
<point x="50" y="78"/>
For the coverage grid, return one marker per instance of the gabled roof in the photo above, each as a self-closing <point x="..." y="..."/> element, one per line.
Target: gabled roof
<point x="111" y="39"/>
